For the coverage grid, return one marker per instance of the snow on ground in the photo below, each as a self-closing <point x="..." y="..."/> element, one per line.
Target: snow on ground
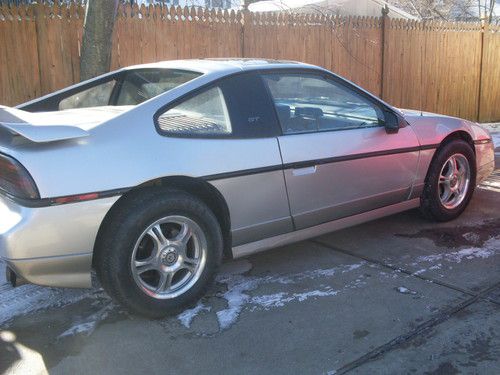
<point x="88" y="324"/>
<point x="404" y="290"/>
<point x="187" y="316"/>
<point x="445" y="260"/>
<point x="490" y="248"/>
<point x="494" y="129"/>
<point x="27" y="299"/>
<point x="239" y="288"/>
<point x="496" y="139"/>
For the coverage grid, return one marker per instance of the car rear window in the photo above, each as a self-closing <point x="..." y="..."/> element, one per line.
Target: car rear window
<point x="141" y="85"/>
<point x="123" y="89"/>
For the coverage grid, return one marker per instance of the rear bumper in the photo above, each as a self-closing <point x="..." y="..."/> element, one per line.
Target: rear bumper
<point x="71" y="271"/>
<point x="53" y="245"/>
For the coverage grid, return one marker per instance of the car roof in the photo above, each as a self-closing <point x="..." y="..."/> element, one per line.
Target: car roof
<point x="220" y="65"/>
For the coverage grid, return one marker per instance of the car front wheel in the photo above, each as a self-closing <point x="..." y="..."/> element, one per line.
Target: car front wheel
<point x="450" y="182"/>
<point x="158" y="252"/>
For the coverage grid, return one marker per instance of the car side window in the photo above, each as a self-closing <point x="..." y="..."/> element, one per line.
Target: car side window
<point x="96" y="96"/>
<point x="204" y="114"/>
<point x="311" y="103"/>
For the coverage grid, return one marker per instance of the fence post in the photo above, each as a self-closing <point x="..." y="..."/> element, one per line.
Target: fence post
<point x="385" y="19"/>
<point x="484" y="30"/>
<point x="39" y="10"/>
<point x="245" y="17"/>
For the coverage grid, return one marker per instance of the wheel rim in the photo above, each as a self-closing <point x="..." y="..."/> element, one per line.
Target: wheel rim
<point x="169" y="257"/>
<point x="454" y="181"/>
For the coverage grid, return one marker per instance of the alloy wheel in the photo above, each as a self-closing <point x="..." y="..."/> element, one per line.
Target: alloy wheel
<point x="454" y="181"/>
<point x="169" y="257"/>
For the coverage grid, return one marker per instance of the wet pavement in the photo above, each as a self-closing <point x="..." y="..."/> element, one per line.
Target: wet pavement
<point x="399" y="295"/>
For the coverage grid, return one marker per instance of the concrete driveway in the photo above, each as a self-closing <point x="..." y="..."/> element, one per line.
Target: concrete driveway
<point x="396" y="296"/>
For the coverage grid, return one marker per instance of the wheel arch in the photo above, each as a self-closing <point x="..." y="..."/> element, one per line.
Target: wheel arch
<point x="194" y="186"/>
<point x="458" y="135"/>
<point x="461" y="135"/>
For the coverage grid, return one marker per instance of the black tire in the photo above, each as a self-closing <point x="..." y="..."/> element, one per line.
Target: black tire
<point x="430" y="203"/>
<point x="120" y="233"/>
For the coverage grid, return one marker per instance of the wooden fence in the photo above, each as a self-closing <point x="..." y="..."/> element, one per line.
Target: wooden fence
<point x="449" y="68"/>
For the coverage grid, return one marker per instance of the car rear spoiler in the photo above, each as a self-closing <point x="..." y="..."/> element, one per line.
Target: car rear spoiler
<point x="17" y="122"/>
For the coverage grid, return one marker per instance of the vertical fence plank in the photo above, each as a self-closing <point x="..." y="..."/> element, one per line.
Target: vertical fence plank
<point x="489" y="105"/>
<point x="19" y="72"/>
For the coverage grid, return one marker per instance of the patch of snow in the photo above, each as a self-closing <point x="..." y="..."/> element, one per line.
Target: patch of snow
<point x="281" y="299"/>
<point x="420" y="271"/>
<point x="89" y="324"/>
<point x="472" y="237"/>
<point x="353" y="267"/>
<point x="27" y="299"/>
<point x="490" y="248"/>
<point x="188" y="316"/>
<point x="423" y="270"/>
<point x="236" y="297"/>
<point x="79" y="328"/>
<point x="403" y="290"/>
<point x="436" y="267"/>
<point x="270" y="300"/>
<point x="315" y="293"/>
<point x="496" y="138"/>
<point x="239" y="287"/>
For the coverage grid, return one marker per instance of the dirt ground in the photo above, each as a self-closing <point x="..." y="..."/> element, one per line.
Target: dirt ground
<point x="395" y="296"/>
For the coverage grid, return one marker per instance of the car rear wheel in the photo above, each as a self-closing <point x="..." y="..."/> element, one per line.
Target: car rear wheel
<point x="158" y="252"/>
<point x="450" y="182"/>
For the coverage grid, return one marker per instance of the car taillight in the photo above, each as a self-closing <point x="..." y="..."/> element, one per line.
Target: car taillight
<point x="15" y="179"/>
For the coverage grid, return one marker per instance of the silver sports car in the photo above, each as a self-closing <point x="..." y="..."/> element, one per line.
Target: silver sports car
<point x="153" y="173"/>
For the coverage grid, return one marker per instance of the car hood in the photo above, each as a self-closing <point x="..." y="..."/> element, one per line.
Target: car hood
<point x="432" y="128"/>
<point x="416" y="113"/>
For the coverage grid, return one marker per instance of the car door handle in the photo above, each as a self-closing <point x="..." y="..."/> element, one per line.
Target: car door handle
<point x="304" y="171"/>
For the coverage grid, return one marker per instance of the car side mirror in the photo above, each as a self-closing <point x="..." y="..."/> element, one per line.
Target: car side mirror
<point x="391" y="122"/>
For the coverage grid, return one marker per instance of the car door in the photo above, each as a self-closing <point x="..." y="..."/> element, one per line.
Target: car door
<point x="338" y="158"/>
<point x="227" y="134"/>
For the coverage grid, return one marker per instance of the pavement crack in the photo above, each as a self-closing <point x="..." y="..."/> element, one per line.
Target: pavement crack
<point x="405" y="271"/>
<point x="420" y="329"/>
<point x="402" y="270"/>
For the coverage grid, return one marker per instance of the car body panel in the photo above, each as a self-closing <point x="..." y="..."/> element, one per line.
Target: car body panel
<point x="51" y="246"/>
<point x="424" y="161"/>
<point x="26" y="232"/>
<point x="334" y="187"/>
<point x="70" y="271"/>
<point x="320" y="229"/>
<point x="263" y="209"/>
<point x="433" y="128"/>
